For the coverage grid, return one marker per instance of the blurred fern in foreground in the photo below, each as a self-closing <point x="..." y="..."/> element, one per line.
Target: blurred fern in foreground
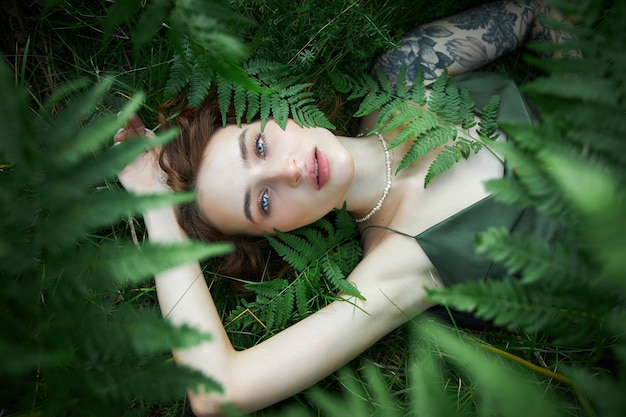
<point x="69" y="347"/>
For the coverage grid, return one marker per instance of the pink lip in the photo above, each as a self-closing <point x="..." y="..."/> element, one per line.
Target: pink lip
<point x="323" y="169"/>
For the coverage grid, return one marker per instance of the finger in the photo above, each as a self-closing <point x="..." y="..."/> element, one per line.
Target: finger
<point x="136" y="125"/>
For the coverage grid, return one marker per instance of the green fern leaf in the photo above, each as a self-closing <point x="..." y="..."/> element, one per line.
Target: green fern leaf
<point x="179" y="77"/>
<point x="372" y="102"/>
<point x="265" y="104"/>
<point x="130" y="264"/>
<point x="288" y="253"/>
<point x="511" y="304"/>
<point x="345" y="224"/>
<point x="240" y="101"/>
<point x="280" y="110"/>
<point x="437" y="99"/>
<point x="253" y="105"/>
<point x="452" y="107"/>
<point x="488" y="121"/>
<point x="415" y="129"/>
<point x="467" y="110"/>
<point x="418" y="91"/>
<point x="509" y="191"/>
<point x="443" y="162"/>
<point x="528" y="256"/>
<point x="435" y="137"/>
<point x="150" y="22"/>
<point x="583" y="88"/>
<point x="335" y="276"/>
<point x="224" y="95"/>
<point x="200" y="84"/>
<point x="268" y="289"/>
<point x="302" y="295"/>
<point x="81" y="216"/>
<point x="397" y="113"/>
<point x="402" y="87"/>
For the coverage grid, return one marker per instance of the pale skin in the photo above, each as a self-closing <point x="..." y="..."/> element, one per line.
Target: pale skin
<point x="394" y="271"/>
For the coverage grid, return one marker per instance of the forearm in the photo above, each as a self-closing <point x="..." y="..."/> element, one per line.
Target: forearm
<point x="184" y="299"/>
<point x="465" y="41"/>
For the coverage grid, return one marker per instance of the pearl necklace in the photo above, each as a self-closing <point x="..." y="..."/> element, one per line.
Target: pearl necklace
<point x="387" y="186"/>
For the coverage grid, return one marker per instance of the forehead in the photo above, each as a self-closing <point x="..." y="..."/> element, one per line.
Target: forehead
<point x="221" y="183"/>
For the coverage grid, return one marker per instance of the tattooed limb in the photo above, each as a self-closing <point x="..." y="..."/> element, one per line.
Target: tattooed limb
<point x="467" y="40"/>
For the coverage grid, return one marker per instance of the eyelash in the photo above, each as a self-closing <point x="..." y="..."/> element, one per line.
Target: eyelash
<point x="260" y="139"/>
<point x="264" y="198"/>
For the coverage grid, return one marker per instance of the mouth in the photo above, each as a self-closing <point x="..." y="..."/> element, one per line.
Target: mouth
<point x="318" y="169"/>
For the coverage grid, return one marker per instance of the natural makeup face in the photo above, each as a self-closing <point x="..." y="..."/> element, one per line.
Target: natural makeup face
<point x="254" y="181"/>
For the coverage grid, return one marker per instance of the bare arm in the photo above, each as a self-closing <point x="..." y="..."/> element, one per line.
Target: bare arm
<point x="299" y="356"/>
<point x="469" y="39"/>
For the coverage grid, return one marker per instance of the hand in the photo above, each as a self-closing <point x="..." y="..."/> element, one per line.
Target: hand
<point x="144" y="175"/>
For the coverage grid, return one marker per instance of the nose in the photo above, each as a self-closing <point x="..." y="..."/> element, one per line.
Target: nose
<point x="286" y="171"/>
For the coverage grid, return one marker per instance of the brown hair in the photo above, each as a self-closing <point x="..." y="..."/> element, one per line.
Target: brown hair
<point x="180" y="159"/>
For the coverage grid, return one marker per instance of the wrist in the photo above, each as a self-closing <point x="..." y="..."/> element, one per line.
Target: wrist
<point x="163" y="226"/>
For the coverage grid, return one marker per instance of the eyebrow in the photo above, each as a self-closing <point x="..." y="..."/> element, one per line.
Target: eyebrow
<point x="243" y="150"/>
<point x="242" y="145"/>
<point x="246" y="206"/>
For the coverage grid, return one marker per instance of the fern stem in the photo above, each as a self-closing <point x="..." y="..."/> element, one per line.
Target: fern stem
<point x="247" y="310"/>
<point x="321" y="30"/>
<point x="546" y="372"/>
<point x="529" y="365"/>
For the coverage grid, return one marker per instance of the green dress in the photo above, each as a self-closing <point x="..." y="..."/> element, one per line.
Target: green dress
<point x="450" y="243"/>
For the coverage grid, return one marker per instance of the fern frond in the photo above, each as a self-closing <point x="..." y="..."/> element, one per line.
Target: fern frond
<point x="373" y="101"/>
<point x="302" y="294"/>
<point x="583" y="88"/>
<point x="396" y="114"/>
<point x="402" y="87"/>
<point x="418" y="91"/>
<point x="179" y="74"/>
<point x="452" y="107"/>
<point x="240" y="100"/>
<point x="288" y="253"/>
<point x="265" y="104"/>
<point x="333" y="273"/>
<point x="529" y="257"/>
<point x="268" y="289"/>
<point x="429" y="140"/>
<point x="280" y="110"/>
<point x="437" y="98"/>
<point x="416" y="128"/>
<point x="443" y="162"/>
<point x="344" y="223"/>
<point x="509" y="191"/>
<point x="467" y="110"/>
<point x="200" y="84"/>
<point x="254" y="101"/>
<point x="224" y="95"/>
<point x="80" y="216"/>
<point x="511" y="304"/>
<point x="130" y="264"/>
<point x="488" y="121"/>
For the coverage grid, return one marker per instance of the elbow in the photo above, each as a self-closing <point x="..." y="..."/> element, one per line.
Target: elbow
<point x="205" y="404"/>
<point x="214" y="404"/>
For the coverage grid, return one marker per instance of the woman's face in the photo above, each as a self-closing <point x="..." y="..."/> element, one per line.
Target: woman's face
<point x="252" y="182"/>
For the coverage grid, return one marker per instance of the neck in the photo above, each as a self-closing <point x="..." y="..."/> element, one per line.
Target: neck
<point x="370" y="172"/>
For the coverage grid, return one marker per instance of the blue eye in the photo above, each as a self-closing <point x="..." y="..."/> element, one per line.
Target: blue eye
<point x="264" y="203"/>
<point x="260" y="146"/>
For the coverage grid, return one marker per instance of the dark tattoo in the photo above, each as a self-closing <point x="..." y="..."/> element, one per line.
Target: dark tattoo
<point x="417" y="51"/>
<point x="498" y="22"/>
<point x="469" y="52"/>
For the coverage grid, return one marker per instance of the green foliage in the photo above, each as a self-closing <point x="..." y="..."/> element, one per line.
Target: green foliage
<point x="431" y="120"/>
<point x="70" y="346"/>
<point x="321" y="256"/>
